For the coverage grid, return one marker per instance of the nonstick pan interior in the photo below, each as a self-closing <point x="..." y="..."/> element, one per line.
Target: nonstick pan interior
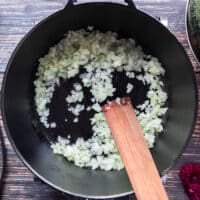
<point x="83" y="128"/>
<point x="17" y="96"/>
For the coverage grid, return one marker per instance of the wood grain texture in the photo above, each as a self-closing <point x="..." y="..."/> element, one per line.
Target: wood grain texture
<point x="130" y="141"/>
<point x="17" y="17"/>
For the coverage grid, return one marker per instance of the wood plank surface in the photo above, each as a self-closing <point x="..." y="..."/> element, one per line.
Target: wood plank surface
<point x="17" y="17"/>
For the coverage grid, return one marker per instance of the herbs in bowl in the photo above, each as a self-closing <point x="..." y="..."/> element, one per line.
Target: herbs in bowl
<point x="193" y="26"/>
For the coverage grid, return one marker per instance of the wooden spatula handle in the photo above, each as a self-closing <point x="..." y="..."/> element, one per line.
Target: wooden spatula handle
<point x="134" y="151"/>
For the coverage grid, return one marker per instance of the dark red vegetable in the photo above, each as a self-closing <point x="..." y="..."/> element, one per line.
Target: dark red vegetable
<point x="190" y="177"/>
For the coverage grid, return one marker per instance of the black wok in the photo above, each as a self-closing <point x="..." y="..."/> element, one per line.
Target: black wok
<point x="17" y="95"/>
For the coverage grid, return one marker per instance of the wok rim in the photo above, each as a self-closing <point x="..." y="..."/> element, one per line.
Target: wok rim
<point x="8" y="133"/>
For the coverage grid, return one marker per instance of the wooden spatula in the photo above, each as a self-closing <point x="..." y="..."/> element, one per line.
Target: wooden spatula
<point x="134" y="151"/>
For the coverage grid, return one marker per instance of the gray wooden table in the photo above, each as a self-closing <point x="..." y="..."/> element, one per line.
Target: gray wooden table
<point x="17" y="17"/>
